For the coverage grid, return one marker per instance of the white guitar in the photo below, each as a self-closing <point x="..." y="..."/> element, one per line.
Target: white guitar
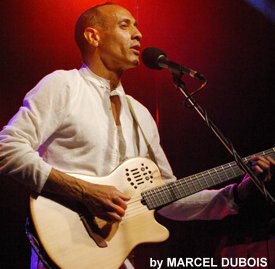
<point x="74" y="240"/>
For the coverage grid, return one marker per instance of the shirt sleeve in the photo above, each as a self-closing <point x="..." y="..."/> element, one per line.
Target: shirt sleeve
<point x="204" y="205"/>
<point x="42" y="111"/>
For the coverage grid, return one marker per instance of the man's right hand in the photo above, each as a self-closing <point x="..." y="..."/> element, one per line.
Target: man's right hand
<point x="103" y="201"/>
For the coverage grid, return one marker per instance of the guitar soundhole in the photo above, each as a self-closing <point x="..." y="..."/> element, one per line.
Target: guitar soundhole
<point x="139" y="175"/>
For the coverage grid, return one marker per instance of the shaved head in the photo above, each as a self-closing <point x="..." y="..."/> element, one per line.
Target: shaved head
<point x="92" y="17"/>
<point x="109" y="39"/>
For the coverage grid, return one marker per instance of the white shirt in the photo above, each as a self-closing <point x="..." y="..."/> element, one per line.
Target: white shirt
<point x="67" y="118"/>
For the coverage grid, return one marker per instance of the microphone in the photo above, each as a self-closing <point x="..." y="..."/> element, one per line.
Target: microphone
<point x="155" y="58"/>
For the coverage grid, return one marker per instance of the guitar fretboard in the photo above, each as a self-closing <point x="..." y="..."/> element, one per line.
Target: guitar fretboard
<point x="184" y="187"/>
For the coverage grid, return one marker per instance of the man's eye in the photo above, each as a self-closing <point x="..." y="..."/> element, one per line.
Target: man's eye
<point x="124" y="25"/>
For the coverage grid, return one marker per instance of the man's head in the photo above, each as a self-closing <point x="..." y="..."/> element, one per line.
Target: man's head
<point x="108" y="34"/>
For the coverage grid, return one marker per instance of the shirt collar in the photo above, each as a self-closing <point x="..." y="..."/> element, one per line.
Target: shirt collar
<point x="101" y="82"/>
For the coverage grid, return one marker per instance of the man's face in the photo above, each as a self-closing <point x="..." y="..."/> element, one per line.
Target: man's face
<point x="119" y="45"/>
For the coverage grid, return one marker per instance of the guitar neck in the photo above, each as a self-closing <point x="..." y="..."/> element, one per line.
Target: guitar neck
<point x="187" y="186"/>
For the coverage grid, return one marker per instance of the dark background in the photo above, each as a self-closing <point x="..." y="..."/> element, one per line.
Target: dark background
<point x="230" y="42"/>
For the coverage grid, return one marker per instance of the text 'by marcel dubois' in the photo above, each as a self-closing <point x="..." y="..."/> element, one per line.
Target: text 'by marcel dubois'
<point x="208" y="262"/>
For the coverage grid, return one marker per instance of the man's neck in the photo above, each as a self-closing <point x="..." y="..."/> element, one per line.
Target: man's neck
<point x="113" y="76"/>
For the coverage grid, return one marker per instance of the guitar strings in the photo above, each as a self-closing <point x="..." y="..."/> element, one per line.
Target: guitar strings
<point x="181" y="184"/>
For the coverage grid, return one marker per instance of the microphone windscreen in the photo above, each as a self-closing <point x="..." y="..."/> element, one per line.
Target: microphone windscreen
<point x="150" y="57"/>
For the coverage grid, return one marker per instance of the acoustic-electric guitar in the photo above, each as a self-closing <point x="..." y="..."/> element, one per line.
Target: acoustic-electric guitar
<point x="74" y="239"/>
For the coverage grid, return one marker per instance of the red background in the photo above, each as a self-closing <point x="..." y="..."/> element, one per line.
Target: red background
<point x="230" y="42"/>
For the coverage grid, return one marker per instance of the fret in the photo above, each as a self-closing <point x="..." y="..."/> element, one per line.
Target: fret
<point x="192" y="185"/>
<point x="166" y="193"/>
<point x="195" y="183"/>
<point x="229" y="171"/>
<point x="204" y="178"/>
<point x="181" y="185"/>
<point x="184" y="187"/>
<point x="231" y="165"/>
<point x="184" y="181"/>
<point x="170" y="192"/>
<point x="213" y="175"/>
<point x="203" y="181"/>
<point x="177" y="190"/>
<point x="218" y="175"/>
<point x="224" y="173"/>
<point x="159" y="199"/>
<point x="152" y="198"/>
<point x="210" y="176"/>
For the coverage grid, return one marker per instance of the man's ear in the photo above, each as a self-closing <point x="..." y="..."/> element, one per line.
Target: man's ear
<point x="92" y="36"/>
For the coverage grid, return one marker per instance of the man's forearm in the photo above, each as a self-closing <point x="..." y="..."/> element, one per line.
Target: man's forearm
<point x="64" y="185"/>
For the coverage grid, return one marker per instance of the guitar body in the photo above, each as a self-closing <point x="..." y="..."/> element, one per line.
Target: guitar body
<point x="65" y="239"/>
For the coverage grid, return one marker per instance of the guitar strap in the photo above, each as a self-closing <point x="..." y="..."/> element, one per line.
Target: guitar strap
<point x="150" y="150"/>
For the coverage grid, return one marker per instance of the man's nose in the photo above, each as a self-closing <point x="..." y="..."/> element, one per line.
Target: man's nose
<point x="137" y="35"/>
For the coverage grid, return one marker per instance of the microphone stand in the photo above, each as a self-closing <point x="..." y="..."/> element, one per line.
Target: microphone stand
<point x="179" y="84"/>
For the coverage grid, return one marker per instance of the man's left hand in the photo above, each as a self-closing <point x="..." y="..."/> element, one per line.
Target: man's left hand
<point x="263" y="166"/>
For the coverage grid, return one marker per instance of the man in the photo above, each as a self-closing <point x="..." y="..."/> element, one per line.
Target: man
<point x="79" y="121"/>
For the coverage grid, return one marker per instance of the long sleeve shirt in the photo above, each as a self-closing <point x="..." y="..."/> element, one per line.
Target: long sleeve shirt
<point x="66" y="122"/>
